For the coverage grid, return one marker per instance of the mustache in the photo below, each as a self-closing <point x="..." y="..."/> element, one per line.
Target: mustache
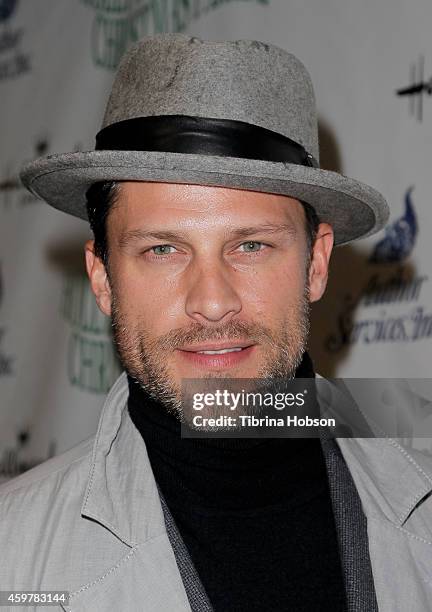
<point x="232" y="330"/>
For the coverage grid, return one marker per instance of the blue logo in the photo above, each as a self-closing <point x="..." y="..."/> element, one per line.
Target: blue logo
<point x="393" y="284"/>
<point x="400" y="236"/>
<point x="7" y="7"/>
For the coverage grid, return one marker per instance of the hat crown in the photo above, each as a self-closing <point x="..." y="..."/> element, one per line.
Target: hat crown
<point x="244" y="80"/>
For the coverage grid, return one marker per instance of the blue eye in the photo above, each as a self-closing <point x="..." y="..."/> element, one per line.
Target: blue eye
<point x="252" y="246"/>
<point x="162" y="249"/>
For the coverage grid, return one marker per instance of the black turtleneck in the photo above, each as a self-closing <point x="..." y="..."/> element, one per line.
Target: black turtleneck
<point x="255" y="514"/>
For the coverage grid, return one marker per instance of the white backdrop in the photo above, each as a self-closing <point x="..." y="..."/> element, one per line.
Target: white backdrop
<point x="57" y="60"/>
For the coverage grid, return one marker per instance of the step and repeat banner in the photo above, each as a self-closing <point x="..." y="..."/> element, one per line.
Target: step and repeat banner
<point x="371" y="64"/>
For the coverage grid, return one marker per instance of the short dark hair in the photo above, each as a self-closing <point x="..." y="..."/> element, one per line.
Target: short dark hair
<point x="312" y="222"/>
<point x="102" y="196"/>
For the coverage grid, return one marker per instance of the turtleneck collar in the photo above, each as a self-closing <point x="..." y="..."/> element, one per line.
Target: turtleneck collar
<point x="224" y="473"/>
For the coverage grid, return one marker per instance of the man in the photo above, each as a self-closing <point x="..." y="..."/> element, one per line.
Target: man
<point x="213" y="228"/>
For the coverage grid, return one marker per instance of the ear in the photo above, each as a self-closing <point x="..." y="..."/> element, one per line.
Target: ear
<point x="98" y="278"/>
<point x="318" y="269"/>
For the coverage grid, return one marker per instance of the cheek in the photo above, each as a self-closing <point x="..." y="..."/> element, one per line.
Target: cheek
<point x="270" y="292"/>
<point x="153" y="299"/>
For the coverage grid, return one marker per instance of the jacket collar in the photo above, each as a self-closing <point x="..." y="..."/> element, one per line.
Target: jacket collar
<point x="122" y="496"/>
<point x="389" y="477"/>
<point x="121" y="492"/>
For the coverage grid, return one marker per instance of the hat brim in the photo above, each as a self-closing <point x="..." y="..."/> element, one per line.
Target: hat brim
<point x="353" y="209"/>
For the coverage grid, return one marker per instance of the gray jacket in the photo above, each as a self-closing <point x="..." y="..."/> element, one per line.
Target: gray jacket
<point x="91" y="522"/>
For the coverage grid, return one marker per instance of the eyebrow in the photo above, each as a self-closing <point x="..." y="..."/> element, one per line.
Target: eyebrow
<point x="135" y="235"/>
<point x="267" y="228"/>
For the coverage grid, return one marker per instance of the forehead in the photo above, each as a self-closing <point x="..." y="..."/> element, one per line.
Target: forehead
<point x="141" y="204"/>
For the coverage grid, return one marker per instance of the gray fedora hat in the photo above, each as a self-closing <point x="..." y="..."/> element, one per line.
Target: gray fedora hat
<point x="237" y="114"/>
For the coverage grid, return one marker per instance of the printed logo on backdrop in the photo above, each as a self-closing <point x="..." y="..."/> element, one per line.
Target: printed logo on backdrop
<point x="118" y="23"/>
<point x="13" y="194"/>
<point x="392" y="295"/>
<point x="92" y="364"/>
<point x="417" y="89"/>
<point x="5" y="359"/>
<point x="14" y="460"/>
<point x="14" y="62"/>
<point x="400" y="236"/>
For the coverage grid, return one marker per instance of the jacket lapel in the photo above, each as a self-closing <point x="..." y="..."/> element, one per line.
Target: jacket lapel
<point x="395" y="486"/>
<point x="351" y="528"/>
<point x="147" y="578"/>
<point x="122" y="497"/>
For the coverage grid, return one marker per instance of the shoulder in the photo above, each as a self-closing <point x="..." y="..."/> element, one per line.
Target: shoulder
<point x="48" y="472"/>
<point x="39" y="510"/>
<point x="46" y="538"/>
<point x="58" y="483"/>
<point x="60" y="464"/>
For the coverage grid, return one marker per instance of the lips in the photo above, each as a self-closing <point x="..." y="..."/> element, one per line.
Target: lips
<point x="216" y="347"/>
<point x="217" y="355"/>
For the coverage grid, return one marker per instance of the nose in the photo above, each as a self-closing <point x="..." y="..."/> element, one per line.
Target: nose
<point x="211" y="297"/>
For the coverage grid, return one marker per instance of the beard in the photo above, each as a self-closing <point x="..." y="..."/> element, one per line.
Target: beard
<point x="146" y="358"/>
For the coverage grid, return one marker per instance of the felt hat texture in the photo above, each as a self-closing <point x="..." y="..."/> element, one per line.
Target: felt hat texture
<point x="213" y="93"/>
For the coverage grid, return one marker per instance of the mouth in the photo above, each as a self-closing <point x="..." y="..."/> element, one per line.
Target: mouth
<point x="217" y="355"/>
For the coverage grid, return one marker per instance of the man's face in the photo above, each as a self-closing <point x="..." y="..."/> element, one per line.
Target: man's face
<point x="206" y="282"/>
